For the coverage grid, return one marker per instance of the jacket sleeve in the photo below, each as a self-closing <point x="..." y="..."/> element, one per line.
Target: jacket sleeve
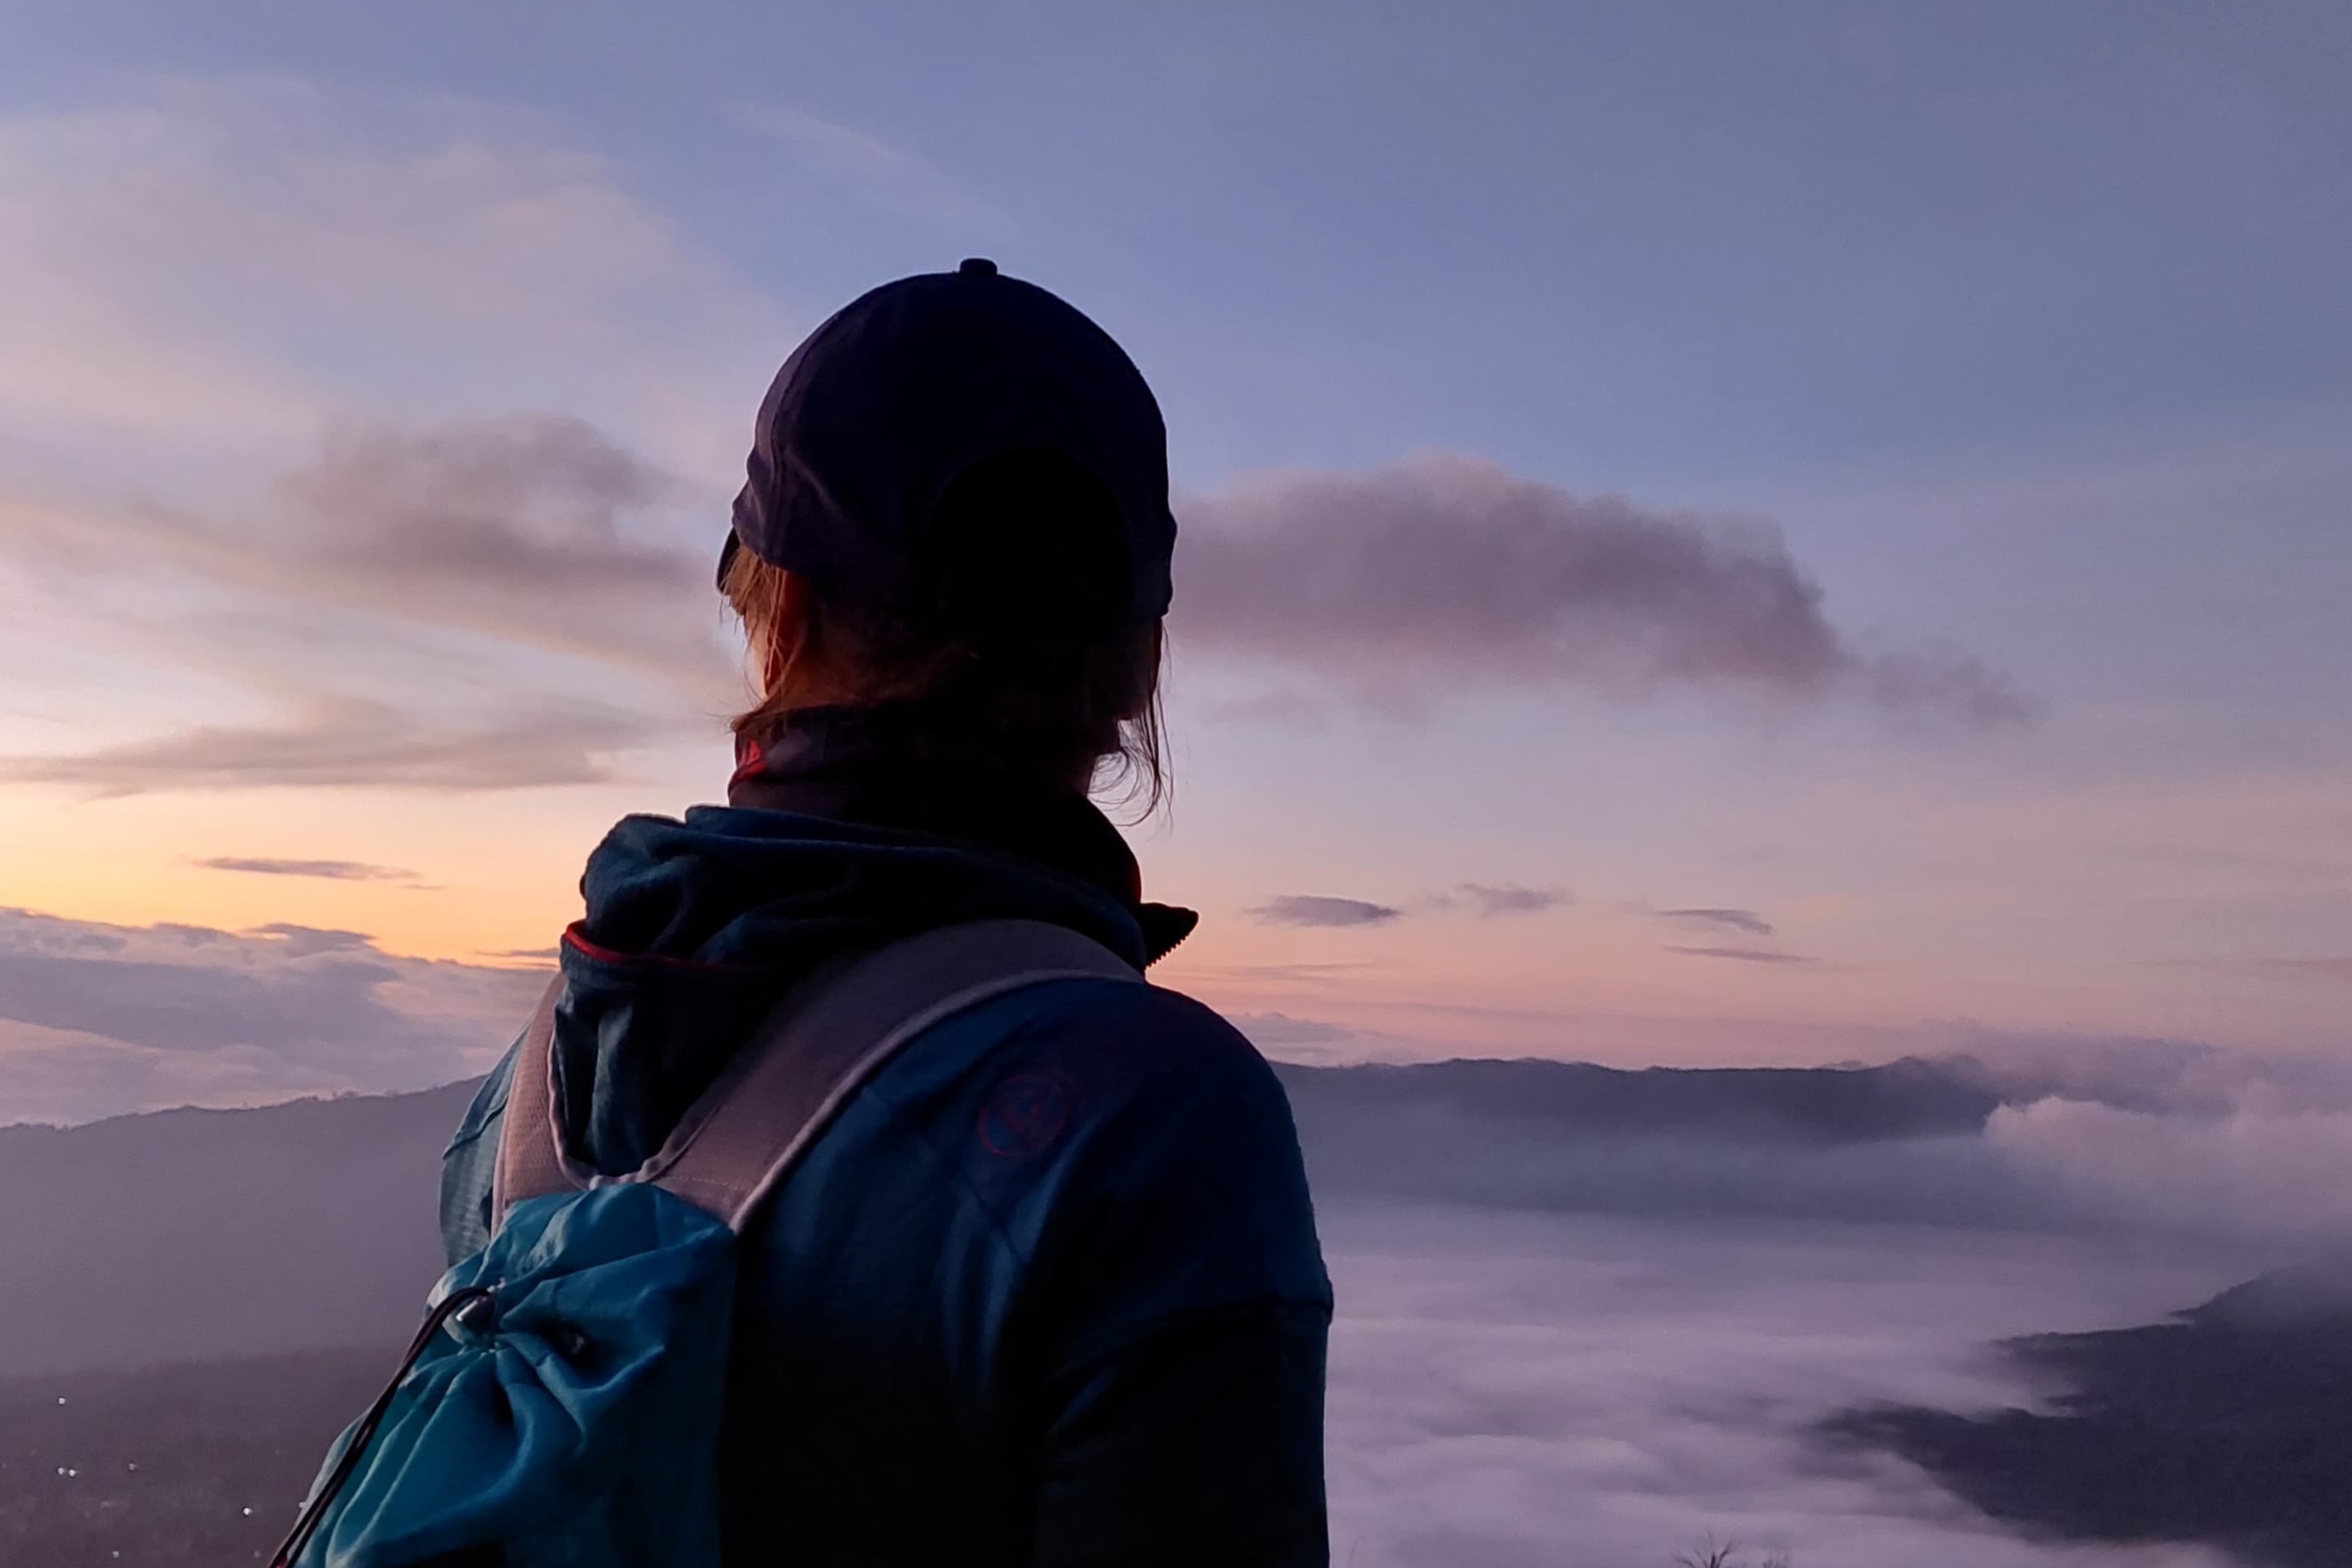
<point x="1183" y="1318"/>
<point x="467" y="1165"/>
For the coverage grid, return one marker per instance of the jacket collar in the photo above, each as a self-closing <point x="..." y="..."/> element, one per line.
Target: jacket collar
<point x="902" y="765"/>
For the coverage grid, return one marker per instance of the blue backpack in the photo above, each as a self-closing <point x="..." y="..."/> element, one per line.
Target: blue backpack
<point x="562" y="1403"/>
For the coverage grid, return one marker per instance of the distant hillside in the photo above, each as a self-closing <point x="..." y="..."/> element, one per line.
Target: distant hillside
<point x="1816" y="1106"/>
<point x="2231" y="1424"/>
<point x="202" y="1233"/>
<point x="308" y="1225"/>
<point x="1897" y="1142"/>
<point x="189" y="1466"/>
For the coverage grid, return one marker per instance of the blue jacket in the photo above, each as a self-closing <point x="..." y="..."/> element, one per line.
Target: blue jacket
<point x="1049" y="1291"/>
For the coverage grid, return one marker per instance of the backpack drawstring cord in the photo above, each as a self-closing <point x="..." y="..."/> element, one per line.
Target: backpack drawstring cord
<point x="454" y="1305"/>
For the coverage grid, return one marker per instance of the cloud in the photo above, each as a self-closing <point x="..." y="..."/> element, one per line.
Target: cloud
<point x="1746" y="921"/>
<point x="885" y="176"/>
<point x="221" y="282"/>
<point x="350" y="743"/>
<point x="1509" y="899"/>
<point x="1586" y="1391"/>
<point x="1314" y="910"/>
<point x="2320" y="969"/>
<point x="2338" y="969"/>
<point x="391" y="559"/>
<point x="2154" y="1076"/>
<point x="512" y="527"/>
<point x="98" y="1019"/>
<point x="1446" y="569"/>
<point x="2106" y="1138"/>
<point x="1274" y="1030"/>
<point x="1742" y="955"/>
<point x="1489" y="900"/>
<point x="205" y="260"/>
<point x="2278" y="1168"/>
<point x="326" y="870"/>
<point x="537" y="530"/>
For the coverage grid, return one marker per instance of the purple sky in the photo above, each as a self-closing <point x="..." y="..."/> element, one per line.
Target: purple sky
<point x="1711" y="534"/>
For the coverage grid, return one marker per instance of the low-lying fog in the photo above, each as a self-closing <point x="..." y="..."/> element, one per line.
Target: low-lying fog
<point x="1587" y="1318"/>
<point x="1546" y="1390"/>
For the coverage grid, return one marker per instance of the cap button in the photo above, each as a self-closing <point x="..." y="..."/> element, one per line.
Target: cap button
<point x="977" y="266"/>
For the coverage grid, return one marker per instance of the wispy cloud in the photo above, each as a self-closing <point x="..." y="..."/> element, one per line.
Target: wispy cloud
<point x="210" y="259"/>
<point x="2308" y="968"/>
<point x="881" y="174"/>
<point x="391" y="558"/>
<point x="96" y="1019"/>
<point x="513" y="526"/>
<point x="2313" y="968"/>
<point x="1282" y="1029"/>
<point x="1510" y="898"/>
<point x="402" y="595"/>
<point x="1449" y="568"/>
<point x="1315" y="910"/>
<point x="349" y="743"/>
<point x="528" y="530"/>
<point x="302" y="941"/>
<point x="1743" y="954"/>
<point x="325" y="870"/>
<point x="1486" y="900"/>
<point x="1746" y="921"/>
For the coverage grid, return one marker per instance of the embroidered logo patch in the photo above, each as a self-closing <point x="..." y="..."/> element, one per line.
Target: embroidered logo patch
<point x="1026" y="1113"/>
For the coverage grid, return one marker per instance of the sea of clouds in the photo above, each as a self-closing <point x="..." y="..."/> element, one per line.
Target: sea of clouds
<point x="1561" y="1347"/>
<point x="1550" y="1390"/>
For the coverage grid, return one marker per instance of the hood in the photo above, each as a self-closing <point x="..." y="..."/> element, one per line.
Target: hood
<point x="849" y="829"/>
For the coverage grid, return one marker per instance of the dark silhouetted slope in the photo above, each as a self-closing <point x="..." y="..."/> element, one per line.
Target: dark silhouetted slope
<point x="190" y="1234"/>
<point x="1895" y="1142"/>
<point x="1814" y="1106"/>
<point x="2230" y="1424"/>
<point x="203" y="1233"/>
<point x="185" y="1465"/>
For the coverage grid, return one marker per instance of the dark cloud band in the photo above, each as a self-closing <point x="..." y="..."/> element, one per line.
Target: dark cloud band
<point x="1743" y="954"/>
<point x="1746" y="921"/>
<point x="1510" y="898"/>
<point x="1447" y="568"/>
<point x="1315" y="910"/>
<point x="324" y="870"/>
<point x="358" y="745"/>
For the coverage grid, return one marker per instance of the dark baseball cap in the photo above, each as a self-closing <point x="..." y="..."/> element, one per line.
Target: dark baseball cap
<point x="907" y="387"/>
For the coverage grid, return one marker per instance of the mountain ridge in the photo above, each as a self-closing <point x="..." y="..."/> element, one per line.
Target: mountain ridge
<point x="311" y="1223"/>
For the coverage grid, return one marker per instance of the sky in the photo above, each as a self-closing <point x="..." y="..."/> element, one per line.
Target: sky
<point x="1711" y="534"/>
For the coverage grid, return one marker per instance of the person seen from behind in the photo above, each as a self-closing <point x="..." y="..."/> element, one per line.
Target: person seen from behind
<point x="1047" y="1290"/>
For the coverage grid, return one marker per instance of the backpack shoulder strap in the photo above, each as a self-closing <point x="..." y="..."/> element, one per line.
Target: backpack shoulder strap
<point x="813" y="1052"/>
<point x="530" y="1164"/>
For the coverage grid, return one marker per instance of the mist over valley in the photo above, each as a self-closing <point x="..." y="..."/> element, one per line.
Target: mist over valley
<point x="1586" y="1315"/>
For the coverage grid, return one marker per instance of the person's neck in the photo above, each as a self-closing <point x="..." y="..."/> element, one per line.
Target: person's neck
<point x="906" y="765"/>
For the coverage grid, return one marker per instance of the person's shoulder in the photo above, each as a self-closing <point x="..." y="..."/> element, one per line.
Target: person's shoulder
<point x="1155" y="1037"/>
<point x="1170" y="1174"/>
<point x="1156" y="1081"/>
<point x="1160" y="1012"/>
